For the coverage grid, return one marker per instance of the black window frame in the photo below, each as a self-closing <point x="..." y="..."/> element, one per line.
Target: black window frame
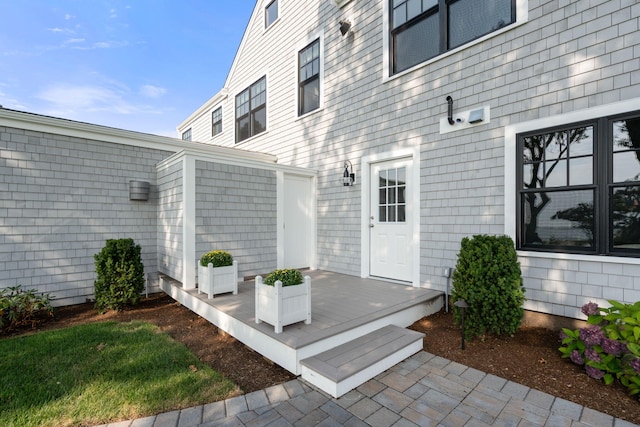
<point x="303" y="107"/>
<point x="253" y="110"/>
<point x="216" y="121"/>
<point x="186" y="135"/>
<point x="441" y="13"/>
<point x="602" y="185"/>
<point x="268" y="22"/>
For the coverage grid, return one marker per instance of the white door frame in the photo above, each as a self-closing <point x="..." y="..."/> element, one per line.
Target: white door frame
<point x="414" y="197"/>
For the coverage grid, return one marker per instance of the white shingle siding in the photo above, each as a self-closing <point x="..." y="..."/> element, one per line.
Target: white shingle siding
<point x="236" y="212"/>
<point x="61" y="198"/>
<point x="567" y="56"/>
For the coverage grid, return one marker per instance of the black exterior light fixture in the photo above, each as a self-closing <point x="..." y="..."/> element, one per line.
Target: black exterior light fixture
<point x="348" y="177"/>
<point x="345" y="26"/>
<point x="462" y="305"/>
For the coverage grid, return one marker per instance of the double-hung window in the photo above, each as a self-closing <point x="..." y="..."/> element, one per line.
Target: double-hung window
<point x="216" y="121"/>
<point x="579" y="187"/>
<point x="251" y="110"/>
<point x="186" y="135"/>
<point x="423" y="29"/>
<point x="309" y="78"/>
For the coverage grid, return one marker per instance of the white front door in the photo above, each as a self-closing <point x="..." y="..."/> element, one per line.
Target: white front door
<point x="390" y="226"/>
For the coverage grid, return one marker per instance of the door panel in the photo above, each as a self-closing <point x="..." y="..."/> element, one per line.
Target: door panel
<point x="391" y="234"/>
<point x="297" y="221"/>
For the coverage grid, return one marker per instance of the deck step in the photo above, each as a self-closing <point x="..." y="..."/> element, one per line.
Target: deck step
<point x="345" y="367"/>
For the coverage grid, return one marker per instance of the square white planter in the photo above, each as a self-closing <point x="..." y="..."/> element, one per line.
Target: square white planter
<point x="218" y="280"/>
<point x="283" y="305"/>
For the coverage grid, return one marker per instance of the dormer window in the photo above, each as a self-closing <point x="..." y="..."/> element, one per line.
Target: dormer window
<point x="270" y="13"/>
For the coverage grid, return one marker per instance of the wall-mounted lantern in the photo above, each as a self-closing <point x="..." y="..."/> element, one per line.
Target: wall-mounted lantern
<point x="345" y="26"/>
<point x="348" y="177"/>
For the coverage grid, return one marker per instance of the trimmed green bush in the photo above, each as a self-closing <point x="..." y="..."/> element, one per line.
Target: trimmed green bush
<point x="288" y="277"/>
<point x="218" y="258"/>
<point x="120" y="275"/>
<point x="19" y="307"/>
<point x="488" y="278"/>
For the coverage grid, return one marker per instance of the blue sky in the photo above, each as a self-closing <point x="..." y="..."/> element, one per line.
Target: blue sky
<point x="143" y="65"/>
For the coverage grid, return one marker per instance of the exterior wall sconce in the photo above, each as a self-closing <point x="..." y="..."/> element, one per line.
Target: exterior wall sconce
<point x="348" y="177"/>
<point x="345" y="26"/>
<point x="139" y="190"/>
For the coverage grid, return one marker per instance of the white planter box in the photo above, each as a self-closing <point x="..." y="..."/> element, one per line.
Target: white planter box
<point x="218" y="280"/>
<point x="283" y="305"/>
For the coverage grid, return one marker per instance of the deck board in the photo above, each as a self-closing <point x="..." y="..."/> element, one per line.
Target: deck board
<point x="338" y="303"/>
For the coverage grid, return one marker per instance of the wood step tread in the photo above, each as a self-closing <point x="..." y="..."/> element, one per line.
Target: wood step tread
<point x="346" y="360"/>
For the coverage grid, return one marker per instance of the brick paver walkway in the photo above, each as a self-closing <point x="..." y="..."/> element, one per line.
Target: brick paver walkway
<point x="423" y="390"/>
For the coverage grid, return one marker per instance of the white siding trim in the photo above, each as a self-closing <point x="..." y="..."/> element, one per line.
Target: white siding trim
<point x="207" y="107"/>
<point x="366" y="162"/>
<point x="189" y="261"/>
<point x="510" y="190"/>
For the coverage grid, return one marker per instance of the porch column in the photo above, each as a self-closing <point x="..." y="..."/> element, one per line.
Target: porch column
<point x="189" y="222"/>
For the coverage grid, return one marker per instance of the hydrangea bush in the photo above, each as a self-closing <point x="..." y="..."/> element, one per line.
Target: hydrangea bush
<point x="608" y="347"/>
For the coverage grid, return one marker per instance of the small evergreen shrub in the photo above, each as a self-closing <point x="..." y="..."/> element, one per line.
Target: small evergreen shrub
<point x="19" y="307"/>
<point x="120" y="275"/>
<point x="488" y="277"/>
<point x="288" y="277"/>
<point x="609" y="346"/>
<point x="218" y="258"/>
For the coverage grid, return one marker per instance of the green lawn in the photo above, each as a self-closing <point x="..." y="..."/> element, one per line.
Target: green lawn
<point x="100" y="372"/>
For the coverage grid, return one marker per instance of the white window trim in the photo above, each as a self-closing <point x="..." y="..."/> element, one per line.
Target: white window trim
<point x="319" y="35"/>
<point x="510" y="164"/>
<point x="522" y="16"/>
<point x="264" y="15"/>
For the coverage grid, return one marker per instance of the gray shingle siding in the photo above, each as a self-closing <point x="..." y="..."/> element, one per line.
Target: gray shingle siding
<point x="170" y="220"/>
<point x="236" y="212"/>
<point x="61" y="198"/>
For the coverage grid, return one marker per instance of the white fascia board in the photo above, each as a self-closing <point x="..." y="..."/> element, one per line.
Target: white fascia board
<point x="220" y="157"/>
<point x="53" y="125"/>
<point x="212" y="102"/>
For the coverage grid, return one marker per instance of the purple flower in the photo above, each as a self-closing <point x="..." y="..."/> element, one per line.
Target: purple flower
<point x="594" y="373"/>
<point x="591" y="335"/>
<point x="635" y="365"/>
<point x="612" y="346"/>
<point x="590" y="309"/>
<point x="576" y="357"/>
<point x="591" y="354"/>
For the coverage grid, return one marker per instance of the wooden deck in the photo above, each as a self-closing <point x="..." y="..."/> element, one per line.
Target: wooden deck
<point x="343" y="308"/>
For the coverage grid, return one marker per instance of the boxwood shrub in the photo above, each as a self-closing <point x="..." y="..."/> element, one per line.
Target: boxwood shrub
<point x="488" y="277"/>
<point x="120" y="275"/>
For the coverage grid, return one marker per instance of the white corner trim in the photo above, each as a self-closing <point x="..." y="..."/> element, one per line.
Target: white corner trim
<point x="204" y="108"/>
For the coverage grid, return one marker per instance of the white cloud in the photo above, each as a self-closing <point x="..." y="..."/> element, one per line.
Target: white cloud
<point x="151" y="91"/>
<point x="67" y="16"/>
<point x="113" y="13"/>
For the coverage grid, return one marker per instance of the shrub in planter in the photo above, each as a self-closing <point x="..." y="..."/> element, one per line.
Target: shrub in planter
<point x="488" y="277"/>
<point x="288" y="277"/>
<point x="283" y="298"/>
<point x="120" y="275"/>
<point x="217" y="257"/>
<point x="609" y="346"/>
<point x="221" y="277"/>
<point x="19" y="307"/>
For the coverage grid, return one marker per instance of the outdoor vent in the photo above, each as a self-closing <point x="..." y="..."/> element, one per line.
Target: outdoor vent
<point x="139" y="190"/>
